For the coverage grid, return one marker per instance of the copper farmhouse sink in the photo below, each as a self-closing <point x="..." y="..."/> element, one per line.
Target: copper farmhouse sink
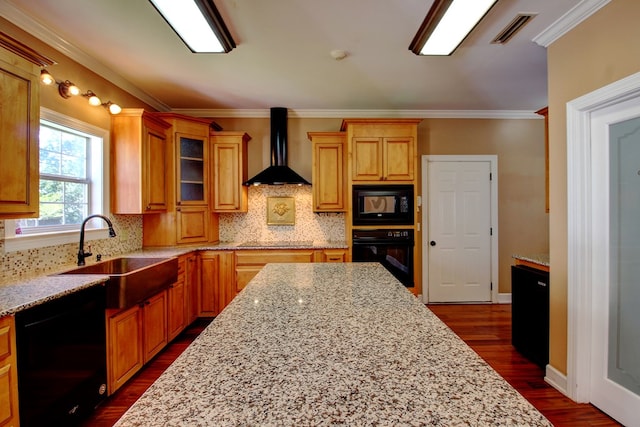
<point x="131" y="279"/>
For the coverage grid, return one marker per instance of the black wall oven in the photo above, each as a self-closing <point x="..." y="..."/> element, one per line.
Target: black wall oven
<point x="393" y="248"/>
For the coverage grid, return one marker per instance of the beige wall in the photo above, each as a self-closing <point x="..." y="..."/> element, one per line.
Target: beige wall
<point x="601" y="50"/>
<point x="519" y="145"/>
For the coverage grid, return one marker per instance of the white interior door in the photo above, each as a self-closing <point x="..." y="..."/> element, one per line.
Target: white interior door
<point x="615" y="367"/>
<point x="459" y="231"/>
<point x="603" y="209"/>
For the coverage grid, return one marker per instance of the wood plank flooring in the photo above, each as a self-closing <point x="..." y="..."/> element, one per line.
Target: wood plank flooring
<point x="485" y="328"/>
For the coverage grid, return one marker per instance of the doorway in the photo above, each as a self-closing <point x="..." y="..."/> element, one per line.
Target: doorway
<point x="460" y="234"/>
<point x="603" y="173"/>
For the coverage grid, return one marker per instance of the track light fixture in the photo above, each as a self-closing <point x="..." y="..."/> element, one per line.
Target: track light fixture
<point x="67" y="89"/>
<point x="46" y="78"/>
<point x="93" y="98"/>
<point x="113" y="108"/>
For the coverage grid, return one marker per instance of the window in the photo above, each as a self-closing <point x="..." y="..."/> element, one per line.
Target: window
<point x="73" y="183"/>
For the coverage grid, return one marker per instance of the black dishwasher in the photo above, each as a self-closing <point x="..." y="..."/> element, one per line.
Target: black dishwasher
<point x="61" y="349"/>
<point x="530" y="313"/>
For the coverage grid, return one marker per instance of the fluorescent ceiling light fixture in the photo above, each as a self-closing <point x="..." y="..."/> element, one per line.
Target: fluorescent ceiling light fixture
<point x="447" y="24"/>
<point x="197" y="23"/>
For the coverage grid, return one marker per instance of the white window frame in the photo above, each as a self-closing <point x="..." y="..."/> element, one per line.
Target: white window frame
<point x="99" y="200"/>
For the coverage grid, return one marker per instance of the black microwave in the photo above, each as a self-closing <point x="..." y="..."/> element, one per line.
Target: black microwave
<point x="383" y="205"/>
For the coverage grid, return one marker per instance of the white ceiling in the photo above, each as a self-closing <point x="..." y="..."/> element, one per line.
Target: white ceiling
<point x="283" y="56"/>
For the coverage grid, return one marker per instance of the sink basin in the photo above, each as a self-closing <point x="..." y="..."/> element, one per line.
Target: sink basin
<point x="132" y="280"/>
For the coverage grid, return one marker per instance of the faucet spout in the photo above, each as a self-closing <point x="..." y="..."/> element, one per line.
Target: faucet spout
<point x="81" y="253"/>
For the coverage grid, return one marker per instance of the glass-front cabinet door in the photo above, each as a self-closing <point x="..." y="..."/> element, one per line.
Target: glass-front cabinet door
<point x="192" y="173"/>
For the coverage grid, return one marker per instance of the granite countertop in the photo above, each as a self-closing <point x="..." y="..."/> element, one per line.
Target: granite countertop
<point x="23" y="294"/>
<point x="327" y="344"/>
<point x="540" y="259"/>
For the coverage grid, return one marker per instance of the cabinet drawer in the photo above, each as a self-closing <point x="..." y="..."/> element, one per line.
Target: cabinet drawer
<point x="260" y="257"/>
<point x="5" y="339"/>
<point x="335" y="255"/>
<point x="244" y="274"/>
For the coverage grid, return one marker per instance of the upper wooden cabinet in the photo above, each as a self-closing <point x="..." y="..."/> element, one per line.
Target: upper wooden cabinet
<point x="382" y="149"/>
<point x="19" y="127"/>
<point x="188" y="218"/>
<point x="139" y="163"/>
<point x="229" y="171"/>
<point x="191" y="145"/>
<point x="329" y="183"/>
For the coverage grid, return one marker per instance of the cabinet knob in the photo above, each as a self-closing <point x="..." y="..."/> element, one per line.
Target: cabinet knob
<point x="432" y="243"/>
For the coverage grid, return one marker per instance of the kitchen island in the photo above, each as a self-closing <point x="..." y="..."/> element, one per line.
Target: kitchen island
<point x="321" y="344"/>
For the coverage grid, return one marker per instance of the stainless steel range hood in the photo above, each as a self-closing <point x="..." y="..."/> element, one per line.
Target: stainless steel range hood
<point x="279" y="173"/>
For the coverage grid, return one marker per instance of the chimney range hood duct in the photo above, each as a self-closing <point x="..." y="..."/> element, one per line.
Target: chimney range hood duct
<point x="278" y="173"/>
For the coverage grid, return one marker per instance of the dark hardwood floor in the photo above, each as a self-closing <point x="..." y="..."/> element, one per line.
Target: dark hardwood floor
<point x="485" y="328"/>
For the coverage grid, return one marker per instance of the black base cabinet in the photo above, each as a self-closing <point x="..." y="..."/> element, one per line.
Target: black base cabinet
<point x="530" y="313"/>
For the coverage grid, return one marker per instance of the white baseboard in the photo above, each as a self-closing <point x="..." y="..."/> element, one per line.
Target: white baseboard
<point x="504" y="298"/>
<point x="556" y="379"/>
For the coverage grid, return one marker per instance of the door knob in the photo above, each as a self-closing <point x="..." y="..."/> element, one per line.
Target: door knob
<point x="432" y="243"/>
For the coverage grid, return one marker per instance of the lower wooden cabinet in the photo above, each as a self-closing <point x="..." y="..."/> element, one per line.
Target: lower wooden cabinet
<point x="192" y="284"/>
<point x="216" y="282"/>
<point x="249" y="262"/>
<point x="9" y="415"/>
<point x="176" y="308"/>
<point x="134" y="336"/>
<point x="335" y="255"/>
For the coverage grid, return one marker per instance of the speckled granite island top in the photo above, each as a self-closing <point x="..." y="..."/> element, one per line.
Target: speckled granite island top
<point x="329" y="344"/>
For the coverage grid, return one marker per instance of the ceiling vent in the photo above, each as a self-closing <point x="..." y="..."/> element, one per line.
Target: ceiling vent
<point x="513" y="27"/>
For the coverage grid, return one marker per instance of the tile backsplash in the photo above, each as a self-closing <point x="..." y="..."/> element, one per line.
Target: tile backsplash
<point x="29" y="263"/>
<point x="252" y="226"/>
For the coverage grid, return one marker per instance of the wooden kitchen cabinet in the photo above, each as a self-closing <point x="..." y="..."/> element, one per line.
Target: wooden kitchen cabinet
<point x="177" y="306"/>
<point x="19" y="127"/>
<point x="382" y="149"/>
<point x="124" y="346"/>
<point x="329" y="163"/>
<point x="217" y="282"/>
<point x="188" y="218"/>
<point x="9" y="415"/>
<point x="383" y="159"/>
<point x="134" y="336"/>
<point x="139" y="163"/>
<point x="229" y="171"/>
<point x="335" y="255"/>
<point x="248" y="262"/>
<point x="192" y="285"/>
<point x="192" y="224"/>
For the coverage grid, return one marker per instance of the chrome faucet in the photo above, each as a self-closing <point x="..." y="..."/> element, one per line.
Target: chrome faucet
<point x="81" y="253"/>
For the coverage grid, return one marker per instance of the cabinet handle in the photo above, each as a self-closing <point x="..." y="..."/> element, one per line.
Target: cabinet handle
<point x="148" y="207"/>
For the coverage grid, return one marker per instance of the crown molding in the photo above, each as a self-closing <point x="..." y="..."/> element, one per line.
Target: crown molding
<point x="569" y="21"/>
<point x="12" y="13"/>
<point x="342" y="114"/>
